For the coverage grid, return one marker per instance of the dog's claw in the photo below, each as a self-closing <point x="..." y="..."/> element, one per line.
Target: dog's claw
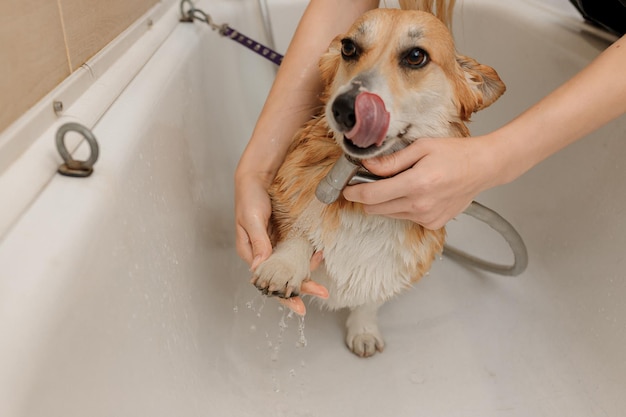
<point x="290" y="293"/>
<point x="272" y="290"/>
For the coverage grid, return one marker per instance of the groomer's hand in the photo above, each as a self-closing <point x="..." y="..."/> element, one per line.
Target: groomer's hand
<point x="252" y="213"/>
<point x="435" y="180"/>
<point x="308" y="287"/>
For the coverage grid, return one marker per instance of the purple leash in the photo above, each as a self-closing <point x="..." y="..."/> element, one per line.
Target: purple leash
<point x="196" y="14"/>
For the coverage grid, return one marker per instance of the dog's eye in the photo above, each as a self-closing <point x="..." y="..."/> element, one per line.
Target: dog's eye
<point x="415" y="58"/>
<point x="349" y="50"/>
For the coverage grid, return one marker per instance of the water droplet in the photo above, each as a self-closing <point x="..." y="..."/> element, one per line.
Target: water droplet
<point x="416" y="378"/>
<point x="275" y="352"/>
<point x="260" y="308"/>
<point x="282" y="325"/>
<point x="302" y="340"/>
<point x="275" y="382"/>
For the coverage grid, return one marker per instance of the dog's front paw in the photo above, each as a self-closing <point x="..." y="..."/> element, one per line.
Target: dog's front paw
<point x="280" y="277"/>
<point x="283" y="272"/>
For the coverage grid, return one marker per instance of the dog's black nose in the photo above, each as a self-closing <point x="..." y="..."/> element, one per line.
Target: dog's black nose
<point x="343" y="110"/>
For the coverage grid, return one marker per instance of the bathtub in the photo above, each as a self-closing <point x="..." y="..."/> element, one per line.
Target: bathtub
<point x="122" y="295"/>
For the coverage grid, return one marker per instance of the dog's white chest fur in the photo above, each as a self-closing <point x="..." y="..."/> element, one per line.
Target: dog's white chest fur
<point x="367" y="259"/>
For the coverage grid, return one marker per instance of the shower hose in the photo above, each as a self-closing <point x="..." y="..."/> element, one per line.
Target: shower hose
<point x="345" y="172"/>
<point x="506" y="230"/>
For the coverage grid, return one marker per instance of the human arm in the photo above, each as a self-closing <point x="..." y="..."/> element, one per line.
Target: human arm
<point x="438" y="178"/>
<point x="293" y="99"/>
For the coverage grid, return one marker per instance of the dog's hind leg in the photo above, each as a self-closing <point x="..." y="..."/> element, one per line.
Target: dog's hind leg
<point x="363" y="337"/>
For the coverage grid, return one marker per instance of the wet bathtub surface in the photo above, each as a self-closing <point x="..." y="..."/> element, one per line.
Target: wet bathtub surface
<point x="151" y="312"/>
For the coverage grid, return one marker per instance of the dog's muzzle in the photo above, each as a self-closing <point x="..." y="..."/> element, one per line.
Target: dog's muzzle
<point x="363" y="120"/>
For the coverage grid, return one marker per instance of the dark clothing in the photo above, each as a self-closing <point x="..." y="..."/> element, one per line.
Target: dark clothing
<point x="608" y="14"/>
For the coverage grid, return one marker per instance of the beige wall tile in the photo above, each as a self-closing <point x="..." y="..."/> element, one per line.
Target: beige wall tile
<point x="33" y="57"/>
<point x="91" y="24"/>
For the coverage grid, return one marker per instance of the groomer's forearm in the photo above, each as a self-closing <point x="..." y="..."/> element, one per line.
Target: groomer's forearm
<point x="294" y="96"/>
<point x="590" y="99"/>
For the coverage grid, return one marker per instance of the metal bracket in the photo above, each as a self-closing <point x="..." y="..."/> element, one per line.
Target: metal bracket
<point x="72" y="167"/>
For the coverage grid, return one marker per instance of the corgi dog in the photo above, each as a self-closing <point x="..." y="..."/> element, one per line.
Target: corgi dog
<point x="394" y="77"/>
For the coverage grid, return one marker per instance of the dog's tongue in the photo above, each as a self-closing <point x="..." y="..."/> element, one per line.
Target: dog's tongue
<point x="372" y="121"/>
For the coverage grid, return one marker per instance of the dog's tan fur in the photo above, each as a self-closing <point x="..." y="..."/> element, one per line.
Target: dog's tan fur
<point x="369" y="259"/>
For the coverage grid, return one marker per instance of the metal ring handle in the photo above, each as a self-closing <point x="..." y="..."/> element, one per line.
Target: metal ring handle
<point x="186" y="16"/>
<point x="198" y="14"/>
<point x="72" y="167"/>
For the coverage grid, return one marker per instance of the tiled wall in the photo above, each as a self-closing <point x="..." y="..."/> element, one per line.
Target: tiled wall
<point x="43" y="41"/>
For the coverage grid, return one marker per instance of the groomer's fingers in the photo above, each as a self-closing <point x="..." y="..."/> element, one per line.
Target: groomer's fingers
<point x="427" y="212"/>
<point x="316" y="260"/>
<point x="261" y="246"/>
<point x="253" y="243"/>
<point x="253" y="209"/>
<point x="380" y="191"/>
<point x="242" y="242"/>
<point x="401" y="160"/>
<point x="397" y="164"/>
<point x="308" y="287"/>
<point x="294" y="304"/>
<point x="311" y="287"/>
<point x="429" y="220"/>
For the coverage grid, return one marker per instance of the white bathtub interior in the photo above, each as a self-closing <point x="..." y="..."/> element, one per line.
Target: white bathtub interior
<point x="122" y="294"/>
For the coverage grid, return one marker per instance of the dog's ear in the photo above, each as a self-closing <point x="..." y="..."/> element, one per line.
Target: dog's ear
<point x="483" y="86"/>
<point x="329" y="64"/>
